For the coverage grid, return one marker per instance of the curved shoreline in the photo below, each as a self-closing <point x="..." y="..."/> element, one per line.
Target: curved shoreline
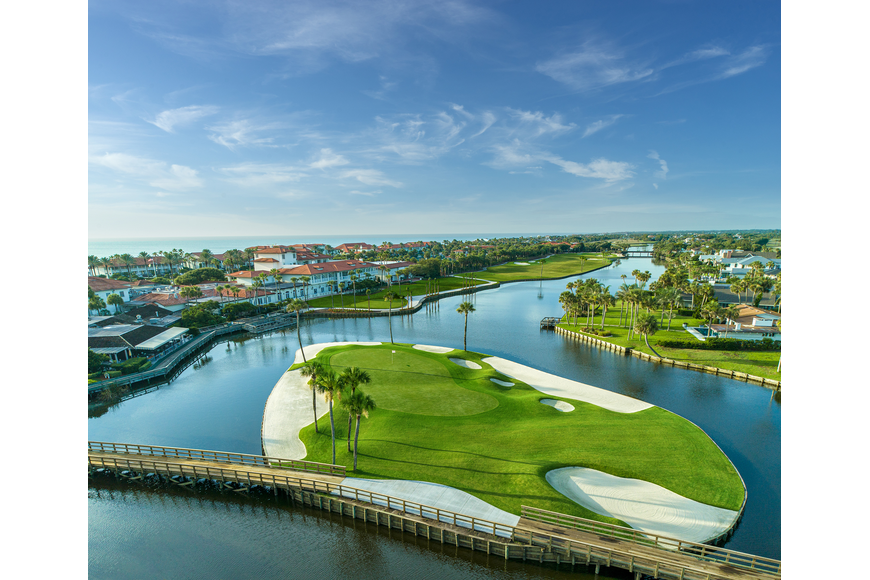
<point x="286" y="413"/>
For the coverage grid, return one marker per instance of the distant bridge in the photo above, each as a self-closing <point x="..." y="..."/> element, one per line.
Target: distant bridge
<point x="638" y="253"/>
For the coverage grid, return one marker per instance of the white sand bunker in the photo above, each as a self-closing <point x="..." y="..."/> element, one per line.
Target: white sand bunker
<point x="559" y="405"/>
<point x="521" y="263"/>
<point x="288" y="410"/>
<point x="427" y="348"/>
<point x="642" y="505"/>
<point x="434" y="495"/>
<point x="502" y="383"/>
<point x="312" y="349"/>
<point x="466" y="363"/>
<point x="565" y="388"/>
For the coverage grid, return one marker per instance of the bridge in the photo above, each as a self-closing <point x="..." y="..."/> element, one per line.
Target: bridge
<point x="638" y="253"/>
<point x="540" y="535"/>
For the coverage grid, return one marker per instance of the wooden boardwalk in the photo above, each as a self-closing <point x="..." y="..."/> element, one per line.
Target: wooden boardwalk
<point x="540" y="536"/>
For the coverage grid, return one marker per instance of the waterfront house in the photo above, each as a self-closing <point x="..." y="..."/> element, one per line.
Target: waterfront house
<point x="102" y="287"/>
<point x="751" y="324"/>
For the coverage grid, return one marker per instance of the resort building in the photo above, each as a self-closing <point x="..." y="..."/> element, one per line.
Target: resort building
<point x="102" y="287"/>
<point x="310" y="280"/>
<point x="122" y="341"/>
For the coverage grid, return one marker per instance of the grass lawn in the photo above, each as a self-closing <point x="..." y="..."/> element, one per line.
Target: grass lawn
<point x="444" y="284"/>
<point x="760" y="364"/>
<point x="440" y="422"/>
<point x="557" y="266"/>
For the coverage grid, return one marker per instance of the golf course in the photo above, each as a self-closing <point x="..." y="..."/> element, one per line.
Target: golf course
<point x="450" y="417"/>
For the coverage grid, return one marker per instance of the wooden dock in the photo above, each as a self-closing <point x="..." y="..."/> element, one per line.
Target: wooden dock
<point x="549" y="322"/>
<point x="540" y="536"/>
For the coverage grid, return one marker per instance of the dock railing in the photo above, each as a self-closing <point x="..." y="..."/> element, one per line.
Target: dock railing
<point x="701" y="551"/>
<point x="224" y="456"/>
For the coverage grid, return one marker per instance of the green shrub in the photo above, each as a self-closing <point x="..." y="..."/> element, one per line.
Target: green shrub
<point x="731" y="344"/>
<point x="238" y="310"/>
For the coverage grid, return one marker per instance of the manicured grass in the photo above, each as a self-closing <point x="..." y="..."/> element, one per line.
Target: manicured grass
<point x="419" y="288"/>
<point x="760" y="364"/>
<point x="557" y="266"/>
<point x="423" y="430"/>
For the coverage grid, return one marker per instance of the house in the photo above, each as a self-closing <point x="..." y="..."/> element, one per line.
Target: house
<point x="142" y="267"/>
<point x="353" y="248"/>
<point x="324" y="278"/>
<point x="171" y="301"/>
<point x="146" y="313"/>
<point x="751" y="324"/>
<point x="122" y="341"/>
<point x="724" y="296"/>
<point x="102" y="287"/>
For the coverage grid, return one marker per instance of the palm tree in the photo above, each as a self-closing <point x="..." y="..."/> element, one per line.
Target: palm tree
<point x="647" y="325"/>
<point x="730" y="313"/>
<point x="604" y="299"/>
<point x="298" y="306"/>
<point x="353" y="377"/>
<point x="93" y="262"/>
<point x="329" y="384"/>
<point x="710" y="312"/>
<point x="305" y="280"/>
<point x="369" y="297"/>
<point x="389" y="297"/>
<point x="294" y="279"/>
<point x="256" y="286"/>
<point x="357" y="404"/>
<point x="312" y="370"/>
<point x="128" y="259"/>
<point x="353" y="278"/>
<point x="465" y="308"/>
<point x="205" y="256"/>
<point x="115" y="300"/>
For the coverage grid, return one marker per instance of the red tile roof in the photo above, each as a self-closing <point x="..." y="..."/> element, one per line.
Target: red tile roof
<point x="265" y="260"/>
<point x="102" y="284"/>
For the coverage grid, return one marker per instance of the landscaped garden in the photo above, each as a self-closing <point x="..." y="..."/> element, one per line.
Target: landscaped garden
<point x="442" y="422"/>
<point x="615" y="331"/>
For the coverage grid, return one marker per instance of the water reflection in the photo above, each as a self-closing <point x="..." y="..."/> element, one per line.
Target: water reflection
<point x="220" y="404"/>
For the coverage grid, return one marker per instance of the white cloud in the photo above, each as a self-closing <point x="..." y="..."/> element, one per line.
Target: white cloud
<point x="540" y="124"/>
<point x="592" y="67"/>
<point x="328" y="159"/>
<point x="168" y="120"/>
<point x="656" y="185"/>
<point x="663" y="172"/>
<point x="601" y="124"/>
<point x="240" y="133"/>
<point x="366" y="193"/>
<point x="260" y="175"/>
<point x="750" y="58"/>
<point x="599" y="168"/>
<point x="155" y="173"/>
<point x="369" y="177"/>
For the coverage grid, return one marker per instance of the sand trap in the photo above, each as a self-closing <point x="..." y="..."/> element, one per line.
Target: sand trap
<point x="288" y="410"/>
<point x="566" y="388"/>
<point x="427" y="348"/>
<point x="502" y="383"/>
<point x="312" y="349"/>
<point x="642" y="505"/>
<point x="466" y="363"/>
<point x="434" y="495"/>
<point x="521" y="263"/>
<point x="559" y="405"/>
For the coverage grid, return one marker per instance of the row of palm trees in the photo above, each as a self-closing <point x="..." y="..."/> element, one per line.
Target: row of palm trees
<point x="342" y="388"/>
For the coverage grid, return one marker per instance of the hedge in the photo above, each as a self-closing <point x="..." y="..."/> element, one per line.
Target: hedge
<point x="713" y="343"/>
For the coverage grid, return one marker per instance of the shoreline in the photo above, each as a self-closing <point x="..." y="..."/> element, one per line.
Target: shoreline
<point x="584" y="393"/>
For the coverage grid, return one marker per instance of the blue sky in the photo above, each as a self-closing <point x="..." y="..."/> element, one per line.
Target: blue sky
<point x="245" y="118"/>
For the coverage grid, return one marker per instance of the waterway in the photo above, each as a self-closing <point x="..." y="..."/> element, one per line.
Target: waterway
<point x="218" y="404"/>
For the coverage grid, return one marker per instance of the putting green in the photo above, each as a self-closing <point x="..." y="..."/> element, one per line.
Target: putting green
<point x="444" y="423"/>
<point x="407" y="382"/>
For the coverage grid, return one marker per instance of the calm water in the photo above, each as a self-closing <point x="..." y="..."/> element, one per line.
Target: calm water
<point x="218" y="404"/>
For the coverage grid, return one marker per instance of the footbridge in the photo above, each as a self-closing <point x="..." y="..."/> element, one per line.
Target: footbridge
<point x="540" y="536"/>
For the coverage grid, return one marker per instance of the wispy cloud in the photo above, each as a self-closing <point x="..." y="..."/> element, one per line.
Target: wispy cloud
<point x="592" y="66"/>
<point x="328" y="159"/>
<point x="601" y="124"/>
<point x="663" y="172"/>
<point x="372" y="177"/>
<point x="241" y="133"/>
<point x="750" y="58"/>
<point x="517" y="154"/>
<point x="168" y="120"/>
<point x="539" y="124"/>
<point x="261" y="175"/>
<point x="599" y="168"/>
<point x="155" y="173"/>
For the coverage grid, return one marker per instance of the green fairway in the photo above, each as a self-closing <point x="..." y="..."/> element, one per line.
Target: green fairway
<point x="375" y="300"/>
<point x="557" y="266"/>
<point x="441" y="422"/>
<point x="412" y="384"/>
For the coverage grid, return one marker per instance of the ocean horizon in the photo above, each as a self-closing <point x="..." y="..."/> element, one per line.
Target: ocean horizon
<point x="104" y="247"/>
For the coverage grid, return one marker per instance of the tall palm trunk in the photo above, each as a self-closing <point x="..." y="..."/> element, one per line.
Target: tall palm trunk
<point x="355" y="442"/>
<point x="332" y="426"/>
